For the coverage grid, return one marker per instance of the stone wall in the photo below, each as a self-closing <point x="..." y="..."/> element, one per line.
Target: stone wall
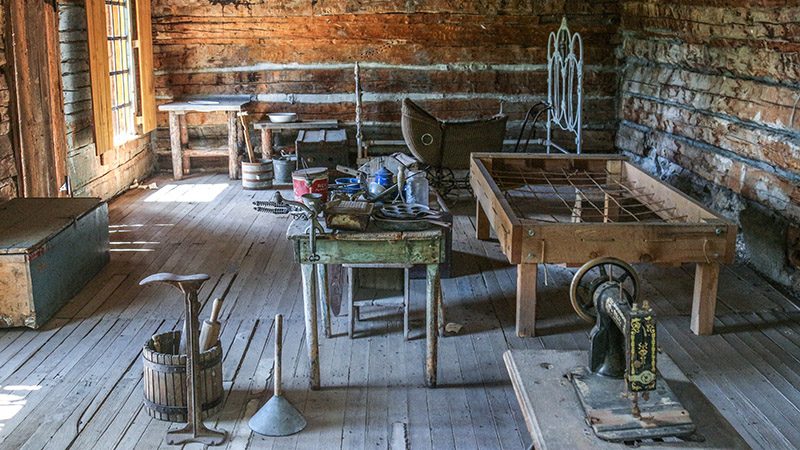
<point x="8" y="168"/>
<point x="459" y="59"/>
<point x="708" y="101"/>
<point x="119" y="167"/>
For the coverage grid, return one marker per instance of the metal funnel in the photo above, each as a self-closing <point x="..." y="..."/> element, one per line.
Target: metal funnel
<point x="277" y="417"/>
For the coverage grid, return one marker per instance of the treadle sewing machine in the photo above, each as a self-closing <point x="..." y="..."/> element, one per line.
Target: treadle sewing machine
<point x="620" y="392"/>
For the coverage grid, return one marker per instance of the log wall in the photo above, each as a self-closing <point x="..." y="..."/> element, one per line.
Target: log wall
<point x="459" y="59"/>
<point x="708" y="100"/>
<point x="8" y="168"/>
<point x="90" y="176"/>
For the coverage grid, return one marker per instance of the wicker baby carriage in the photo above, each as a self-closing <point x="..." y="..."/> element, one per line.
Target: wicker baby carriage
<point x="444" y="146"/>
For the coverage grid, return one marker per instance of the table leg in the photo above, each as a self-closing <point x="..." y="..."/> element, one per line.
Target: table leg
<point x="440" y="302"/>
<point x="431" y="323"/>
<point x="526" y="299"/>
<point x="481" y="222"/>
<point x="310" y="309"/>
<point x="266" y="143"/>
<point x="233" y="146"/>
<point x="175" y="145"/>
<point x="187" y="161"/>
<point x="704" y="304"/>
<point x="324" y="303"/>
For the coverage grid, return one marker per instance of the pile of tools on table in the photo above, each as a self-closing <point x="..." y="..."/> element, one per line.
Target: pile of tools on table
<point x="386" y="191"/>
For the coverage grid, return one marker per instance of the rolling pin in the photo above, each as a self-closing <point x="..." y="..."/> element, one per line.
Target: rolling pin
<point x="209" y="332"/>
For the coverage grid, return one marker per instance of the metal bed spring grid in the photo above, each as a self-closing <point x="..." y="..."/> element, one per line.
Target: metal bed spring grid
<point x="580" y="196"/>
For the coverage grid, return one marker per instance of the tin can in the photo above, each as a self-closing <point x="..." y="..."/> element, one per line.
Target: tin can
<point x="311" y="180"/>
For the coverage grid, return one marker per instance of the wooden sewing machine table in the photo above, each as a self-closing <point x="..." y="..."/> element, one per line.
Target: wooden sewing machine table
<point x="372" y="246"/>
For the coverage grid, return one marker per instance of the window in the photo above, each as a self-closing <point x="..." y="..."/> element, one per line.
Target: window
<point x="121" y="70"/>
<point x="120" y="62"/>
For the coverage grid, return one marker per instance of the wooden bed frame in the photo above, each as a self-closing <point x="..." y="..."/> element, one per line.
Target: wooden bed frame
<point x="569" y="209"/>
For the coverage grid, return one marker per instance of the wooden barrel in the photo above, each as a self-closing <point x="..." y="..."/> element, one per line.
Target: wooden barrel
<point x="165" y="378"/>
<point x="258" y="175"/>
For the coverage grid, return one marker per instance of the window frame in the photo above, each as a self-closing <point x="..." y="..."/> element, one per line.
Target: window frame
<point x="141" y="46"/>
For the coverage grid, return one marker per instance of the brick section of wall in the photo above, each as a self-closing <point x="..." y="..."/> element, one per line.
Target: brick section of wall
<point x="708" y="100"/>
<point x="122" y="165"/>
<point x="459" y="59"/>
<point x="8" y="168"/>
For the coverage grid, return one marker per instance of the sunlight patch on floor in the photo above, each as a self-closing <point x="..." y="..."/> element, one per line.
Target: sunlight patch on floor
<point x="188" y="193"/>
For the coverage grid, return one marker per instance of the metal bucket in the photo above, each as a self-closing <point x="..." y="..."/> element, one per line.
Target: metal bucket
<point x="311" y="180"/>
<point x="283" y="168"/>
<point x="165" y="378"/>
<point x="257" y="175"/>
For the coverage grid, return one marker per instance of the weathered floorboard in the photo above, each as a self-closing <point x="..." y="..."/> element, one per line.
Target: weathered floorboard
<point x="78" y="380"/>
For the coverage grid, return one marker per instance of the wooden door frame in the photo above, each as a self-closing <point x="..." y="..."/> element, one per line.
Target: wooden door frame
<point x="37" y="99"/>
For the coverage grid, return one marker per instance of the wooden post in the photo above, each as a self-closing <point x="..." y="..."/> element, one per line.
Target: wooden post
<point x="526" y="299"/>
<point x="37" y="108"/>
<point x="482" y="229"/>
<point x="322" y="285"/>
<point x="704" y="303"/>
<point x="266" y="143"/>
<point x="277" y="390"/>
<point x="431" y="323"/>
<point x="233" y="146"/>
<point x="175" y="145"/>
<point x="310" y="309"/>
<point x="359" y="133"/>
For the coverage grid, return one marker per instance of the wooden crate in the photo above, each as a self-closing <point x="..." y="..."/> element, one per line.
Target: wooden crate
<point x="322" y="148"/>
<point x="49" y="249"/>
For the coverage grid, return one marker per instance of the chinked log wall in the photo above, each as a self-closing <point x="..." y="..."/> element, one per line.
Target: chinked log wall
<point x="457" y="58"/>
<point x="709" y="100"/>
<point x="8" y="168"/>
<point x="120" y="166"/>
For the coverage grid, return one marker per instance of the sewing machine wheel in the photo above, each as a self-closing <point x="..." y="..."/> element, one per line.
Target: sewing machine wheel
<point x="594" y="273"/>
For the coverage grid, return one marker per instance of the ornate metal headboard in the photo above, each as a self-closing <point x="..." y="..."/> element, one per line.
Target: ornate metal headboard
<point x="564" y="84"/>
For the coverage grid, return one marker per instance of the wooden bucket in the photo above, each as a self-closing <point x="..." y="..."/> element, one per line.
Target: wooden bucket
<point x="257" y="176"/>
<point x="165" y="378"/>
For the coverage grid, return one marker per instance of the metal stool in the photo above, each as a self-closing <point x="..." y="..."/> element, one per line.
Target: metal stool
<point x="378" y="295"/>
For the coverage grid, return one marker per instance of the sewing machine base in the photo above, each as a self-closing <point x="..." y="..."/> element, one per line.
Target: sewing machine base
<point x="608" y="410"/>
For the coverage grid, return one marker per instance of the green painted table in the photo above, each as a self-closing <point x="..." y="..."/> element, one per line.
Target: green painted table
<point x="369" y="247"/>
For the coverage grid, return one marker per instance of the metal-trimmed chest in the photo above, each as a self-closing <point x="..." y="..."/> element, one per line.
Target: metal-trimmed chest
<point x="322" y="148"/>
<point x="49" y="249"/>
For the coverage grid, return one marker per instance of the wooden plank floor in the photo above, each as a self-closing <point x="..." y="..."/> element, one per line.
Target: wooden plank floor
<point x="77" y="382"/>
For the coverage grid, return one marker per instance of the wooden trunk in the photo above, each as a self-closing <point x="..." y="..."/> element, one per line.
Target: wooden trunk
<point x="165" y="378"/>
<point x="322" y="148"/>
<point x="49" y="249"/>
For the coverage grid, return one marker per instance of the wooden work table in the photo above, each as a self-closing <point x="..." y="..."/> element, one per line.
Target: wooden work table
<point x="233" y="106"/>
<point x="369" y="247"/>
<point x="268" y="127"/>
<point x="555" y="418"/>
